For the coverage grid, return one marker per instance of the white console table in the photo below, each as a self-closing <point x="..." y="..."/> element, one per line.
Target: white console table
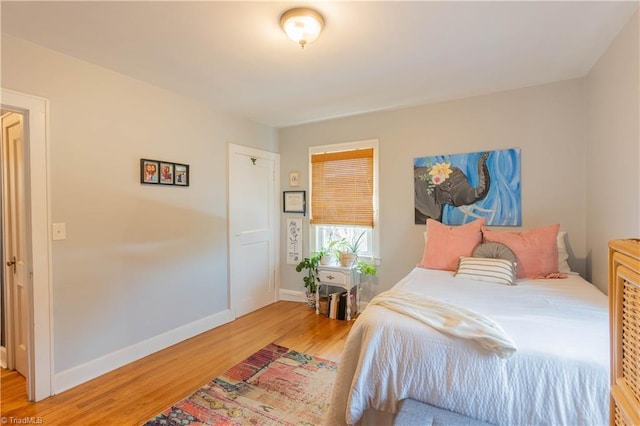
<point x="339" y="276"/>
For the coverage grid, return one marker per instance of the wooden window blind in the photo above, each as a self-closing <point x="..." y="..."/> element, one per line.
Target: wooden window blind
<point x="342" y="188"/>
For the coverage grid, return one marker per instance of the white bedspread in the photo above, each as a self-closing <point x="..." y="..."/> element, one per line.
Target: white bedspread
<point x="448" y="319"/>
<point x="558" y="376"/>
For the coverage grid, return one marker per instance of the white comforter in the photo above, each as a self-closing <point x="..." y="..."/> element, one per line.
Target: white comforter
<point x="558" y="376"/>
<point x="449" y="319"/>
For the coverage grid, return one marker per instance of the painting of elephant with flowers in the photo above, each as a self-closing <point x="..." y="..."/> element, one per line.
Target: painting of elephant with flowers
<point x="459" y="188"/>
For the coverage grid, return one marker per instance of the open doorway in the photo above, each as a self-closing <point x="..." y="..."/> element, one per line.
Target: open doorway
<point x="15" y="245"/>
<point x="26" y="258"/>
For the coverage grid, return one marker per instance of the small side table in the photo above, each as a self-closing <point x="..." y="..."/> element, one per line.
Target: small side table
<point x="346" y="277"/>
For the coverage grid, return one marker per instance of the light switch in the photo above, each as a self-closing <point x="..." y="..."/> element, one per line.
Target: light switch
<point x="59" y="231"/>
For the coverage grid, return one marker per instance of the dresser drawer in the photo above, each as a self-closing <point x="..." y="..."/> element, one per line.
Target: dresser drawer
<point x="332" y="277"/>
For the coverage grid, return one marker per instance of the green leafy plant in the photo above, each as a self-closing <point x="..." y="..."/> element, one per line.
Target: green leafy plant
<point x="350" y="246"/>
<point x="311" y="265"/>
<point x="322" y="252"/>
<point x="366" y="268"/>
<point x="332" y="245"/>
<point x="346" y="248"/>
<point x="330" y="249"/>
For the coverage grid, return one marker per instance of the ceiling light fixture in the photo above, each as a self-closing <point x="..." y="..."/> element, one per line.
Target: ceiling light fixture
<point x="302" y="25"/>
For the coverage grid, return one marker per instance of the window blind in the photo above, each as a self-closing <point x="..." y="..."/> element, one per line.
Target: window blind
<point x="342" y="188"/>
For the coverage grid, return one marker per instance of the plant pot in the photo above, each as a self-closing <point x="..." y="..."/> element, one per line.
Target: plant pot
<point x="325" y="260"/>
<point x="347" y="259"/>
<point x="311" y="299"/>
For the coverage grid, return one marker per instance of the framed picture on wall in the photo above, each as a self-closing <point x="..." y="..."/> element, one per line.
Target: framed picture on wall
<point x="181" y="174"/>
<point x="149" y="171"/>
<point x="294" y="178"/>
<point x="294" y="240"/>
<point x="166" y="173"/>
<point x="294" y="201"/>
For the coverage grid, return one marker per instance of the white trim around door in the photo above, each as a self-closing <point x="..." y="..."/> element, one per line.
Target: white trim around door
<point x="39" y="279"/>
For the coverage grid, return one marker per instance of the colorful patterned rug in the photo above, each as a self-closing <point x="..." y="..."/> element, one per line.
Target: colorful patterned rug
<point x="274" y="386"/>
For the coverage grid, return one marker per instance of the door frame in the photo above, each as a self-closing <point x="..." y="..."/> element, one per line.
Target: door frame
<point x="35" y="112"/>
<point x="258" y="153"/>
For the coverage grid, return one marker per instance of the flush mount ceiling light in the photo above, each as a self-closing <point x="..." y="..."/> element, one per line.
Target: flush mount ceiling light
<point x="302" y="25"/>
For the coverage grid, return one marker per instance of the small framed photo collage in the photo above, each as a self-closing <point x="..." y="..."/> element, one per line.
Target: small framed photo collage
<point x="157" y="172"/>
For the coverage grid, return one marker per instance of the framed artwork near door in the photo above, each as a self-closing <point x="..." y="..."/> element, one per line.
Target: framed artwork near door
<point x="294" y="178"/>
<point x="149" y="171"/>
<point x="163" y="172"/>
<point x="294" y="202"/>
<point x="294" y="240"/>
<point x="181" y="172"/>
<point x="166" y="173"/>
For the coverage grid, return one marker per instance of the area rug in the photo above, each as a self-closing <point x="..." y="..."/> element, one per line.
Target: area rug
<point x="274" y="386"/>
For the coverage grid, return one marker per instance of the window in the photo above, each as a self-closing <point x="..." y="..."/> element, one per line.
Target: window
<point x="343" y="195"/>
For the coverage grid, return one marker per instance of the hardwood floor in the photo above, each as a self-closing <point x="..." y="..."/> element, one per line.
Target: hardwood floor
<point x="136" y="392"/>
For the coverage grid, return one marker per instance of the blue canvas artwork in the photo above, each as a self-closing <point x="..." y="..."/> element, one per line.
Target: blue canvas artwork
<point x="459" y="188"/>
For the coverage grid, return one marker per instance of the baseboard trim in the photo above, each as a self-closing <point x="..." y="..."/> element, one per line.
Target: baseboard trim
<point x="292" y="295"/>
<point x="83" y="373"/>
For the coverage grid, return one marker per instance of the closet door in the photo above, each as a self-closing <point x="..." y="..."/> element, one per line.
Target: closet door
<point x="253" y="228"/>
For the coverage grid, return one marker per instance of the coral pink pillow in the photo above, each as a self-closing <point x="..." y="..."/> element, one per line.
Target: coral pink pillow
<point x="444" y="245"/>
<point x="536" y="250"/>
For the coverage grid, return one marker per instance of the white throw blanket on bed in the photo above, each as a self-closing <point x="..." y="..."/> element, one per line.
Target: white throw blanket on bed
<point x="449" y="319"/>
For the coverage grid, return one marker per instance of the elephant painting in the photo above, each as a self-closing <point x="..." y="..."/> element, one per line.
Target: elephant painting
<point x="441" y="183"/>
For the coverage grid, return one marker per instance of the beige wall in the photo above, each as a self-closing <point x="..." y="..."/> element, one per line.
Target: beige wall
<point x="139" y="260"/>
<point x="546" y="122"/>
<point x="613" y="149"/>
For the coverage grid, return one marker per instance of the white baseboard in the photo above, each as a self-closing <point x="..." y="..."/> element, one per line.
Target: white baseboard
<point x="292" y="295"/>
<point x="3" y="357"/>
<point x="92" y="369"/>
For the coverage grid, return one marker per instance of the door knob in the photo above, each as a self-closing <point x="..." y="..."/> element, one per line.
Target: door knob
<point x="12" y="262"/>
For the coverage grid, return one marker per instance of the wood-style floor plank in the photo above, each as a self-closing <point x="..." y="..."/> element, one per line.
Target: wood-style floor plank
<point x="136" y="392"/>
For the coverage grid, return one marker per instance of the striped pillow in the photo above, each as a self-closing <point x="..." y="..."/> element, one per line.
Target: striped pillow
<point x="499" y="271"/>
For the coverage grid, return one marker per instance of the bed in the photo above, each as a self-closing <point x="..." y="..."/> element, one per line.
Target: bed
<point x="558" y="374"/>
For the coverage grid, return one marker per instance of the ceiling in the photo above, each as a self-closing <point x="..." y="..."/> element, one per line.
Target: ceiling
<point x="371" y="56"/>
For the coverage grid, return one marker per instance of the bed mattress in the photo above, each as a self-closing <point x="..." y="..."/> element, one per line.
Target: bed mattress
<point x="559" y="374"/>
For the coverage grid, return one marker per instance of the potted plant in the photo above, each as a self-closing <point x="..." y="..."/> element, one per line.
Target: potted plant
<point x="366" y="268"/>
<point x="329" y="253"/>
<point x="311" y="279"/>
<point x="324" y="254"/>
<point x="348" y="249"/>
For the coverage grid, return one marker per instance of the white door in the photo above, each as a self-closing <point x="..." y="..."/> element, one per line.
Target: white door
<point x="252" y="228"/>
<point x="14" y="239"/>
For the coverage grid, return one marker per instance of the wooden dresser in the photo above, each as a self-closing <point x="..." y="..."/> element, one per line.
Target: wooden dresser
<point x="624" y="314"/>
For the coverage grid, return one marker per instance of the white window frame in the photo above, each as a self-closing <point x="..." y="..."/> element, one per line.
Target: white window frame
<point x="348" y="146"/>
